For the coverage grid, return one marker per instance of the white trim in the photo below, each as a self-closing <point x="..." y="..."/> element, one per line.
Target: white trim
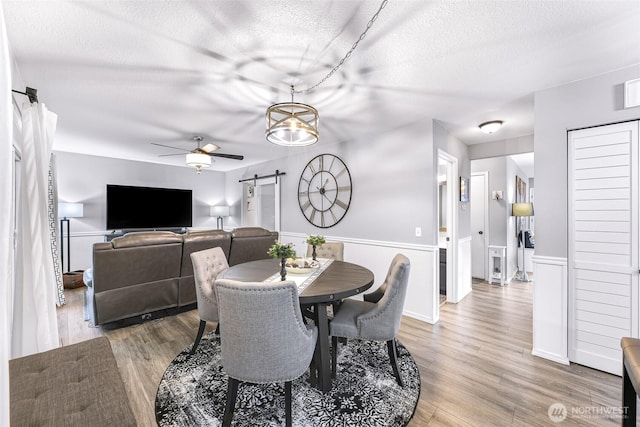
<point x="464" y="268"/>
<point x="550" y="309"/>
<point x="550" y="356"/>
<point x="453" y="197"/>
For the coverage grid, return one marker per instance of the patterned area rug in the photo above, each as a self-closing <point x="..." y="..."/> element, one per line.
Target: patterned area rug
<point x="193" y="390"/>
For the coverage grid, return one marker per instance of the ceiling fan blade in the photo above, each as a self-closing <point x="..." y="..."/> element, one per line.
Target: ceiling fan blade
<point x="209" y="148"/>
<point x="169" y="146"/>
<point x="227" y="156"/>
<point x="169" y="155"/>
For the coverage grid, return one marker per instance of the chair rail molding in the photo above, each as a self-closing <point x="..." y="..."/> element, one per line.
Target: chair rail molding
<point x="422" y="301"/>
<point x="550" y="310"/>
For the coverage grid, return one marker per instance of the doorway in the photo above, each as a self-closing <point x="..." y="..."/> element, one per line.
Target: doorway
<point x="447" y="226"/>
<point x="261" y="204"/>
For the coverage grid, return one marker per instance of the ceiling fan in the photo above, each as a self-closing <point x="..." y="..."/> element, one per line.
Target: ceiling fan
<point x="200" y="156"/>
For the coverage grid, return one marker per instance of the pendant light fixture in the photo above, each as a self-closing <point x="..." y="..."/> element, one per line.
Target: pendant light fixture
<point x="292" y="123"/>
<point x="296" y="124"/>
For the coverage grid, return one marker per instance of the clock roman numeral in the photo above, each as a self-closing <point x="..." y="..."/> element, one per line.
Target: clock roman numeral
<point x="306" y="205"/>
<point x="342" y="204"/>
<point x="340" y="173"/>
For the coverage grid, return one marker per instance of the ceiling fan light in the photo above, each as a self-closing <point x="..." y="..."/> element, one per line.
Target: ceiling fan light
<point x="490" y="127"/>
<point x="198" y="161"/>
<point x="292" y="124"/>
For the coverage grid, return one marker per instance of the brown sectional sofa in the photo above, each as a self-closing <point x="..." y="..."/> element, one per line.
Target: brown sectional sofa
<point x="143" y="272"/>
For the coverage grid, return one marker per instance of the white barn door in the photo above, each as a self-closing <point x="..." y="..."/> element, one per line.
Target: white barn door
<point x="603" y="243"/>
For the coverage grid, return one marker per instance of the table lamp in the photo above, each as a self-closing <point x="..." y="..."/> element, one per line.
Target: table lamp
<point x="520" y="210"/>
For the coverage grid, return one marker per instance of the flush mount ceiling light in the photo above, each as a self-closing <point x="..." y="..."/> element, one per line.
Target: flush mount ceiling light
<point x="296" y="124"/>
<point x="490" y="127"/>
<point x="292" y="123"/>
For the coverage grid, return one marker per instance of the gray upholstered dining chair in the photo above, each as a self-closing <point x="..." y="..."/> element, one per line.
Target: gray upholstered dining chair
<point x="207" y="264"/>
<point x="263" y="337"/>
<point x="333" y="250"/>
<point x="375" y="321"/>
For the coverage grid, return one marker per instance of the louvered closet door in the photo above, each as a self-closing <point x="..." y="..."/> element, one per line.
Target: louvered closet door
<point x="603" y="243"/>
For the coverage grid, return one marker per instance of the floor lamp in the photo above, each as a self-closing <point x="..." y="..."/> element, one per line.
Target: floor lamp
<point x="220" y="212"/>
<point x="66" y="211"/>
<point x="521" y="210"/>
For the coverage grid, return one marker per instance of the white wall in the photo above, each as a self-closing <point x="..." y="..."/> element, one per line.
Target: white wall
<point x="84" y="179"/>
<point x="594" y="101"/>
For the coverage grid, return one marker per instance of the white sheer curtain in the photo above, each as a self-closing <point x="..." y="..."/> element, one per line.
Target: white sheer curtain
<point x="35" y="326"/>
<point x="6" y="215"/>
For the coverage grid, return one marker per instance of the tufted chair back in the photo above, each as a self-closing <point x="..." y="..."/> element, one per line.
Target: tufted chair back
<point x="207" y="265"/>
<point x="333" y="250"/>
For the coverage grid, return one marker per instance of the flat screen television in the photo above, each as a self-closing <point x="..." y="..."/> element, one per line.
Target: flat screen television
<point x="131" y="207"/>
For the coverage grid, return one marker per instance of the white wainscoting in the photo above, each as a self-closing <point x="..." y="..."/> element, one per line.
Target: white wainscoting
<point x="463" y="274"/>
<point x="550" y="312"/>
<point x="422" y="301"/>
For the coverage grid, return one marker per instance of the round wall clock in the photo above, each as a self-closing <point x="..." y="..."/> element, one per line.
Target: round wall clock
<point x="324" y="190"/>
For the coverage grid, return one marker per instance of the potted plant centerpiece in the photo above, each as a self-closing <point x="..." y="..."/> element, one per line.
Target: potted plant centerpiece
<point x="282" y="251"/>
<point x="315" y="241"/>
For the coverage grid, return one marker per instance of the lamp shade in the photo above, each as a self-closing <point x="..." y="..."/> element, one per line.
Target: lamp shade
<point x="219" y="211"/>
<point x="198" y="160"/>
<point x="70" y="210"/>
<point x="522" y="209"/>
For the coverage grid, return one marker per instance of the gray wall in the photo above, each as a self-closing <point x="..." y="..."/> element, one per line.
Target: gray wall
<point x="394" y="185"/>
<point x="84" y="178"/>
<point x="590" y="102"/>
<point x="503" y="147"/>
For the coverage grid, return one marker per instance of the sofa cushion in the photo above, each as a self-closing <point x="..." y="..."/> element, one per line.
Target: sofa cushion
<point x="146" y="238"/>
<point x="76" y="385"/>
<point x="250" y="244"/>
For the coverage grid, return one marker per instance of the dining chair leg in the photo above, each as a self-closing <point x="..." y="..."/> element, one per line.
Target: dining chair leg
<point x="287" y="402"/>
<point x="232" y="393"/>
<point x="203" y="323"/>
<point x="393" y="356"/>
<point x="334" y="356"/>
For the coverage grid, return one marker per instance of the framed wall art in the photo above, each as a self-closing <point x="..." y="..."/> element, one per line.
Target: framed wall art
<point x="464" y="189"/>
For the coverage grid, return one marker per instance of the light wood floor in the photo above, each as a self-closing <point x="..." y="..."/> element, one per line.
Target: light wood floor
<point x="476" y="364"/>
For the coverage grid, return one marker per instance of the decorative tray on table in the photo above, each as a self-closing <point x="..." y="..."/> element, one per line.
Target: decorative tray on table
<point x="300" y="265"/>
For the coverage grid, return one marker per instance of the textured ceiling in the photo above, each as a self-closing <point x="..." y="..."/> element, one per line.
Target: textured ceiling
<point x="122" y="74"/>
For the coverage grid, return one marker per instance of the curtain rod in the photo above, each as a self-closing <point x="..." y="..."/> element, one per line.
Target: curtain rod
<point x="256" y="177"/>
<point x="30" y="92"/>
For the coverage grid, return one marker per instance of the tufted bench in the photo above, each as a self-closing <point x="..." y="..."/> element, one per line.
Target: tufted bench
<point x="630" y="378"/>
<point x="75" y="385"/>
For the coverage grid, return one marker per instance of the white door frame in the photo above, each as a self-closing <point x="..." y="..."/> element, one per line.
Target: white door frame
<point x="485" y="250"/>
<point x="453" y="194"/>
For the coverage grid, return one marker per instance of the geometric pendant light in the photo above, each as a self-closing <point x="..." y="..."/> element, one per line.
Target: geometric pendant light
<point x="292" y="123"/>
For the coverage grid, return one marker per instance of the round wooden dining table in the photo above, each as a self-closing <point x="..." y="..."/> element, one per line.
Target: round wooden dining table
<point x="337" y="281"/>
